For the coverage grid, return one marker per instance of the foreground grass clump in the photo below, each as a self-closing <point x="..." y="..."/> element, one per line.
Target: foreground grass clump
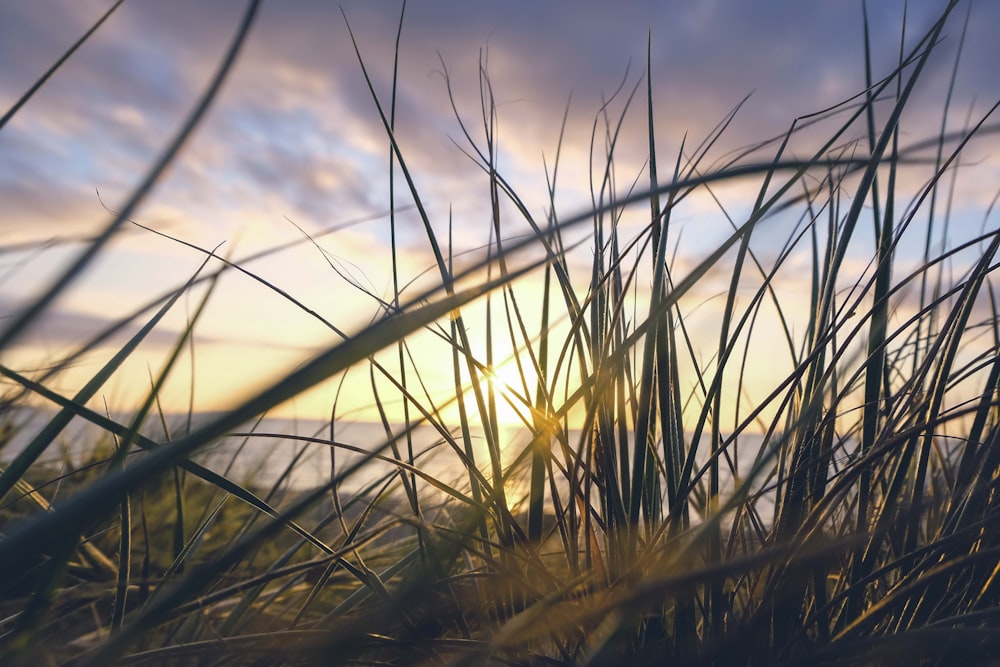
<point x="660" y="504"/>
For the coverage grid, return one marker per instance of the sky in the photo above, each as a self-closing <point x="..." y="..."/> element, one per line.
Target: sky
<point x="294" y="146"/>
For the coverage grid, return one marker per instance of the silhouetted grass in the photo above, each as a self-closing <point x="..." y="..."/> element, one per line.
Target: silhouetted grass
<point x="668" y="500"/>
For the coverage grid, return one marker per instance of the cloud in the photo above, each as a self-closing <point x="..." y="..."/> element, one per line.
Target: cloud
<point x="60" y="328"/>
<point x="295" y="133"/>
<point x="296" y="118"/>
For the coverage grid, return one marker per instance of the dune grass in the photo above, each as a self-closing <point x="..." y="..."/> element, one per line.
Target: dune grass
<point x="664" y="503"/>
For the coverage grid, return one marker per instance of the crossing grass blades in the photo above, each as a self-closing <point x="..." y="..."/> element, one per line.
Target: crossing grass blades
<point x="664" y="506"/>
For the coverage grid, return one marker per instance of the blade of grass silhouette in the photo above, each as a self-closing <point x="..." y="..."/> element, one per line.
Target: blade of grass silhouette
<point x="401" y="360"/>
<point x="42" y="80"/>
<point x="28" y="315"/>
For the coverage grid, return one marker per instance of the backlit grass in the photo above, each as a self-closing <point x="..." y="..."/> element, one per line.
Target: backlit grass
<point x="812" y="482"/>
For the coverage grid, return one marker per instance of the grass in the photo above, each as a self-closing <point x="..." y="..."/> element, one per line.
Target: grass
<point x="668" y="499"/>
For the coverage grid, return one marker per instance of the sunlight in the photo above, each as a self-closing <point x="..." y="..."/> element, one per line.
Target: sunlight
<point x="509" y="388"/>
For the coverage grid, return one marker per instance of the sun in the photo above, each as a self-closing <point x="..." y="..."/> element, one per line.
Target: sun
<point x="508" y="382"/>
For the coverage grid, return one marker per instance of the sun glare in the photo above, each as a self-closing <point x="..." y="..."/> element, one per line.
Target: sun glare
<point x="508" y="383"/>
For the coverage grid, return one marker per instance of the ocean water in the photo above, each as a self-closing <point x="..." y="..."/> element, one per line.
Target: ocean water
<point x="302" y="453"/>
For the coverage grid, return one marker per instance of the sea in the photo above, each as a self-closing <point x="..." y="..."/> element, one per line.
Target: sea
<point x="300" y="454"/>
